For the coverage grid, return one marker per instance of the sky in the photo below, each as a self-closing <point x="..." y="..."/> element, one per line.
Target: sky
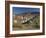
<point x="19" y="10"/>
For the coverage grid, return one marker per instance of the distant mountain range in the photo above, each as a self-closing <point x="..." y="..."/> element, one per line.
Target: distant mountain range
<point x="28" y="13"/>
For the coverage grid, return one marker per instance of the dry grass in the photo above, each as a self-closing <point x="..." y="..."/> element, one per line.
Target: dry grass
<point x="34" y="25"/>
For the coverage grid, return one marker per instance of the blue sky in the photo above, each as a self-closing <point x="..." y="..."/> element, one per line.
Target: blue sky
<point x="19" y="10"/>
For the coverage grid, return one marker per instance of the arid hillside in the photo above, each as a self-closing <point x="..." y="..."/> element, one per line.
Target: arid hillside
<point x="26" y="22"/>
